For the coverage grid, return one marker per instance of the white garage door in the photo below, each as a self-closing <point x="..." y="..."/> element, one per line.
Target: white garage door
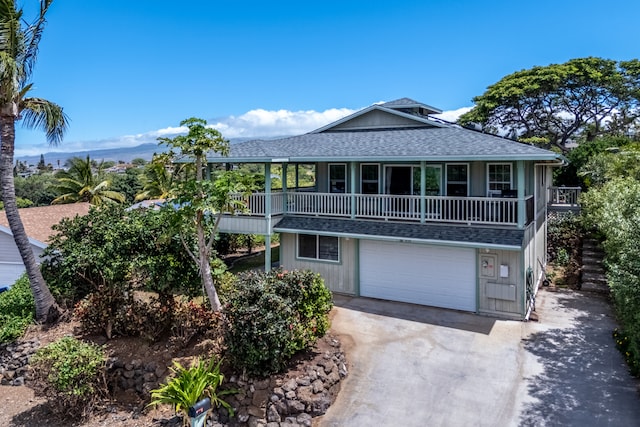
<point x="438" y="276"/>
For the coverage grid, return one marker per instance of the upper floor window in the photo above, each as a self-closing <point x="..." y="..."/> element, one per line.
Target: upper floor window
<point x="499" y="177"/>
<point x="338" y="178"/>
<point x="457" y="179"/>
<point x="369" y="179"/>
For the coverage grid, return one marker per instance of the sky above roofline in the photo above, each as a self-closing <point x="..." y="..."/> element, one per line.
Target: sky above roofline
<point x="128" y="72"/>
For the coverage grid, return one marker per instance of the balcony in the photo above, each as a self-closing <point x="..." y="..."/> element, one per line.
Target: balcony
<point x="442" y="209"/>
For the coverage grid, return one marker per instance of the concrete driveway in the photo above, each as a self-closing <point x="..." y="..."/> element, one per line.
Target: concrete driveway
<point x="417" y="366"/>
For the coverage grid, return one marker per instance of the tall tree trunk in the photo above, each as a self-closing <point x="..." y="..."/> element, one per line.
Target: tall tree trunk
<point x="47" y="310"/>
<point x="205" y="266"/>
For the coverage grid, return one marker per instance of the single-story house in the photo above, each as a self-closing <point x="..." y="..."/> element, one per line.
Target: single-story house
<point x="37" y="222"/>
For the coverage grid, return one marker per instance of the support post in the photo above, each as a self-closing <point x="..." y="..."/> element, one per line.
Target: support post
<point x="423" y="191"/>
<point x="521" y="202"/>
<point x="284" y="188"/>
<point x="267" y="213"/>
<point x="352" y="167"/>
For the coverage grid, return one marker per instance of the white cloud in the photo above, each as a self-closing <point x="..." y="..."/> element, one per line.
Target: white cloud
<point x="452" y="115"/>
<point x="252" y="124"/>
<point x="259" y="123"/>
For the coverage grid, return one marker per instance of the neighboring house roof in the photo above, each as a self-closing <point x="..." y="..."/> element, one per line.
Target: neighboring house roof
<point x="39" y="220"/>
<point x="473" y="236"/>
<point x="399" y="130"/>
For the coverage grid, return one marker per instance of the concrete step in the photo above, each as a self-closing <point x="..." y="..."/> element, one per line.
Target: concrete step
<point x="593" y="246"/>
<point x="592" y="261"/>
<point x="592" y="277"/>
<point x="594" y="287"/>
<point x="593" y="268"/>
<point x="592" y="252"/>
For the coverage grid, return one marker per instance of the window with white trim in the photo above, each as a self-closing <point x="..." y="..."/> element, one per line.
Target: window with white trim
<point x="312" y="246"/>
<point x="499" y="177"/>
<point x="457" y="179"/>
<point x="369" y="178"/>
<point x="337" y="178"/>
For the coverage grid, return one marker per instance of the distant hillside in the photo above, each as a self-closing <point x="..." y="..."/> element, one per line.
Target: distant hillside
<point x="126" y="154"/>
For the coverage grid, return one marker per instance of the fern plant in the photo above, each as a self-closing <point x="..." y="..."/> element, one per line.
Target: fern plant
<point x="188" y="385"/>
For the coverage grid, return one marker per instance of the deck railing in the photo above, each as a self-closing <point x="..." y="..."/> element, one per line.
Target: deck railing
<point x="564" y="196"/>
<point x="471" y="210"/>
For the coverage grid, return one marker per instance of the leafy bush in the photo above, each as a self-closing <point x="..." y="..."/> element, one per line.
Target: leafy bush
<point x="272" y="316"/>
<point x="629" y="351"/>
<point x="188" y="386"/>
<point x="104" y="312"/>
<point x="119" y="249"/>
<point x="103" y="258"/>
<point x="613" y="209"/>
<point x="17" y="310"/>
<point x="70" y="374"/>
<point x="191" y="319"/>
<point x="111" y="312"/>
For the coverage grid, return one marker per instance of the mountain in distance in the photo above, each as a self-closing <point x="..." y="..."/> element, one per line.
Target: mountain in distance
<point x="125" y="154"/>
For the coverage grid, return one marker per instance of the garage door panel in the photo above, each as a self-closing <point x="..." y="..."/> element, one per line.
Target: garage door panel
<point x="421" y="274"/>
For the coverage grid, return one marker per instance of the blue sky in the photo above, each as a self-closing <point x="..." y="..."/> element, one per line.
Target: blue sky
<point x="129" y="71"/>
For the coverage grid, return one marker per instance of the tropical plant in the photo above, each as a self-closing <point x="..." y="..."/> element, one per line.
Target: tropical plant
<point x="156" y="179"/>
<point x="71" y="374"/>
<point x="187" y="386"/>
<point x="19" y="41"/>
<point x="200" y="203"/>
<point x="80" y="184"/>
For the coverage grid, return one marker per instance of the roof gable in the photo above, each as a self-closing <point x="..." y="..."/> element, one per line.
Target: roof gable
<point x="395" y="117"/>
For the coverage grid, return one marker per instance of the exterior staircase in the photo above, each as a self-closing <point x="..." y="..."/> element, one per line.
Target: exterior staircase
<point x="593" y="277"/>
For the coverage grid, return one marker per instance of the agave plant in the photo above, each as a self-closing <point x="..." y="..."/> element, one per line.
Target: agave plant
<point x="189" y="385"/>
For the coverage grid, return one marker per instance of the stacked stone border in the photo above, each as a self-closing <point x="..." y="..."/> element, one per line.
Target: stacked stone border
<point x="290" y="399"/>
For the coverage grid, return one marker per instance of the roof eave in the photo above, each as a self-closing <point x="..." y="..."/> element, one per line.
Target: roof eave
<point x="475" y="245"/>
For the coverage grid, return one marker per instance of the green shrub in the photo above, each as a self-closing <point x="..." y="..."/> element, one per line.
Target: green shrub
<point x="17" y="310"/>
<point x="629" y="351"/>
<point x="191" y="319"/>
<point x="111" y="312"/>
<point x="104" y="311"/>
<point x="70" y="374"/>
<point x="189" y="385"/>
<point x="564" y="233"/>
<point x="274" y="315"/>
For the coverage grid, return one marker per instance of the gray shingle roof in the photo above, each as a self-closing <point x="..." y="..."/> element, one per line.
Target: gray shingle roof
<point x="472" y="235"/>
<point x="408" y="102"/>
<point x="448" y="143"/>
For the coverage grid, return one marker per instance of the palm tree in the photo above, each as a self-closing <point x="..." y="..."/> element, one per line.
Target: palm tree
<point x="156" y="180"/>
<point x="80" y="184"/>
<point x="18" y="51"/>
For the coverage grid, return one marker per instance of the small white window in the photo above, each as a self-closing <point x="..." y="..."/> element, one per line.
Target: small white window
<point x="499" y="177"/>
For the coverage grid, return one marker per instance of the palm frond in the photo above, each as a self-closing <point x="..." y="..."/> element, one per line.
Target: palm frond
<point x="44" y="115"/>
<point x="32" y="35"/>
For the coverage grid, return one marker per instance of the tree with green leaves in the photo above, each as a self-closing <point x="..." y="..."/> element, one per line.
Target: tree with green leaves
<point x="560" y="103"/>
<point x="19" y="40"/>
<point x="80" y="184"/>
<point x="200" y="203"/>
<point x="157" y="180"/>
